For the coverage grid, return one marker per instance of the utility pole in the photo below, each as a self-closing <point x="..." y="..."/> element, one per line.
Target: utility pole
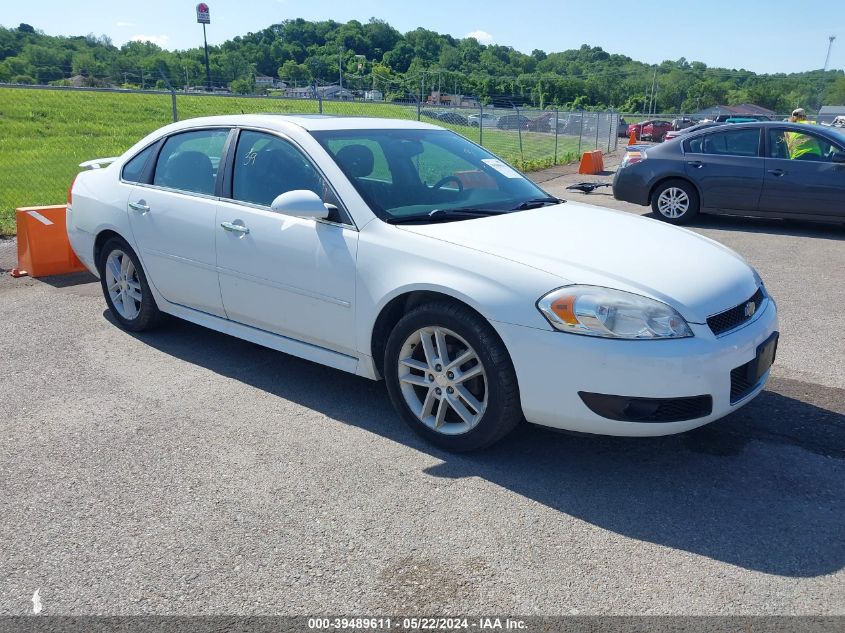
<point x="651" y="95"/>
<point x="340" y="69"/>
<point x="829" y="46"/>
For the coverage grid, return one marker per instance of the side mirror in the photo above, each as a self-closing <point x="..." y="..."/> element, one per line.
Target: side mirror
<point x="300" y="203"/>
<point x="838" y="157"/>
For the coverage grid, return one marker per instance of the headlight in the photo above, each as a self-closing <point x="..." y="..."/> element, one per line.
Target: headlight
<point x="596" y="311"/>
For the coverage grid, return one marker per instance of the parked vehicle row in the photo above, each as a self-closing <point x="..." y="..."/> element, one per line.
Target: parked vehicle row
<point x="763" y="169"/>
<point x="399" y="250"/>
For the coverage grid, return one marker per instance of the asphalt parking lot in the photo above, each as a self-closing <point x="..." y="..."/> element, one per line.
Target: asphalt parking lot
<point x="185" y="471"/>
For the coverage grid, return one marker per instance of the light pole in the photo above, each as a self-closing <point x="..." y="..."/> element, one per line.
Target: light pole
<point x="829" y="46"/>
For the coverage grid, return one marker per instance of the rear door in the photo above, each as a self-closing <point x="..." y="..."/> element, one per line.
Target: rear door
<point x="172" y="217"/>
<point x="809" y="182"/>
<point x="727" y="167"/>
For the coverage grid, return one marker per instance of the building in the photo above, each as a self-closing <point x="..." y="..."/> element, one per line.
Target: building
<point x="373" y="95"/>
<point x="302" y="92"/>
<point x="743" y="109"/>
<point x="334" y="92"/>
<point x="461" y="101"/>
<point x="828" y="113"/>
<point x="265" y="81"/>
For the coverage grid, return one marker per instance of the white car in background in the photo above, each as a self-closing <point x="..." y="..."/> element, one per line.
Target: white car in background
<point x="399" y="250"/>
<point x="486" y="119"/>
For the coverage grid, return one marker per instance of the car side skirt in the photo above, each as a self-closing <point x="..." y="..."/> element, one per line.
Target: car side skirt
<point x="279" y="343"/>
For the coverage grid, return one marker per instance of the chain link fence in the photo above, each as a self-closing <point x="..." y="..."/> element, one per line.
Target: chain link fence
<point x="47" y="132"/>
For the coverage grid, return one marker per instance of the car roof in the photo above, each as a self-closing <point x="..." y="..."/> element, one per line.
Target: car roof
<point x="309" y="122"/>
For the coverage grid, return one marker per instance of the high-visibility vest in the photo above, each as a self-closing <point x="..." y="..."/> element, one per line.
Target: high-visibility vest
<point x="799" y="144"/>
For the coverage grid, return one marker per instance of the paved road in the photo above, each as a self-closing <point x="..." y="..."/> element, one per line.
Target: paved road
<point x="184" y="471"/>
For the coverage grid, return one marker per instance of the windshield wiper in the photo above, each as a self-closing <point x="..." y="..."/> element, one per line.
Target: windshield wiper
<point x="537" y="202"/>
<point x="445" y="215"/>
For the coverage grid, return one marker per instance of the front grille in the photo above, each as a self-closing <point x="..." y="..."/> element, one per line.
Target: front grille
<point x="630" y="409"/>
<point x="741" y="386"/>
<point x="736" y="316"/>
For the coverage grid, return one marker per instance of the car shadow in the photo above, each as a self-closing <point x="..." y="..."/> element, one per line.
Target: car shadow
<point x="794" y="228"/>
<point x="761" y="489"/>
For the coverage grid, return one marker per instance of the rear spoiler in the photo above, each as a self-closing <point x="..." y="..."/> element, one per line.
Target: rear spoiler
<point x="98" y="162"/>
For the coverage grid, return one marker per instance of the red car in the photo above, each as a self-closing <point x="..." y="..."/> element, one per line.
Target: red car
<point x="650" y="130"/>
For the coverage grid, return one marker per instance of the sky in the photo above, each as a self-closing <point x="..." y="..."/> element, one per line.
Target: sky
<point x="764" y="37"/>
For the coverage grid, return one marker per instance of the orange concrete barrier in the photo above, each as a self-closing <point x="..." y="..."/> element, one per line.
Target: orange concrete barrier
<point x="43" y="247"/>
<point x="591" y="163"/>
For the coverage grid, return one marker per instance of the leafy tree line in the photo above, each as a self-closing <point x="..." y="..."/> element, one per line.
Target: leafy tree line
<point x="376" y="55"/>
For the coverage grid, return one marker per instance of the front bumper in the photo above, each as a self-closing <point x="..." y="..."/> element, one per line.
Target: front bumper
<point x="553" y="367"/>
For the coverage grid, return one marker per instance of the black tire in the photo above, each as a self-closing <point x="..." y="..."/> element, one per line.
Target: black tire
<point x="693" y="206"/>
<point x="503" y="411"/>
<point x="148" y="315"/>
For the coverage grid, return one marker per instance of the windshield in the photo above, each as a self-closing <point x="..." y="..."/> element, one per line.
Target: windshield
<point x="411" y="172"/>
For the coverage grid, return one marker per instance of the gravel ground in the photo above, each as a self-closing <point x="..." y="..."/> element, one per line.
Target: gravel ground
<point x="184" y="471"/>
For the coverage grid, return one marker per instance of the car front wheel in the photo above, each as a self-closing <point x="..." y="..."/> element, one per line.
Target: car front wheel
<point x="125" y="287"/>
<point x="450" y="377"/>
<point x="675" y="201"/>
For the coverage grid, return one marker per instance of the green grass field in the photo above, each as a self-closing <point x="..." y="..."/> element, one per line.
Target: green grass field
<point x="45" y="134"/>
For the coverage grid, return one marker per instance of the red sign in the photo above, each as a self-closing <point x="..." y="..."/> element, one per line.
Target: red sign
<point x="203" y="15"/>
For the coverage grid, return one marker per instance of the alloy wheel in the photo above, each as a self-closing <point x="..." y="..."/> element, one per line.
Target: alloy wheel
<point x="673" y="202"/>
<point x="123" y="285"/>
<point x="443" y="380"/>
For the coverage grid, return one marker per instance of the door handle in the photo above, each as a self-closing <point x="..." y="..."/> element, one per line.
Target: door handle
<point x="140" y="206"/>
<point x="234" y="228"/>
<point x="777" y="172"/>
<point x="695" y="163"/>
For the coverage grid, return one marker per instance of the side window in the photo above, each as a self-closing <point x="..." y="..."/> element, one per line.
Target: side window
<point x="189" y="160"/>
<point x="133" y="169"/>
<point x="266" y="166"/>
<point x="727" y="143"/>
<point x="790" y="145"/>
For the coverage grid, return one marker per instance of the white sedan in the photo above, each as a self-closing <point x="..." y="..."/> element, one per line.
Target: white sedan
<point x="399" y="250"/>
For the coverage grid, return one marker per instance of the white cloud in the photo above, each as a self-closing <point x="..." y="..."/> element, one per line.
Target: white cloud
<point x="124" y="24"/>
<point x="483" y="37"/>
<point x="160" y="40"/>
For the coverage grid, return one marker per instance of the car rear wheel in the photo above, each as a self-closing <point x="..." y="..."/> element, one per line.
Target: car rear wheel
<point x="125" y="287"/>
<point x="675" y="201"/>
<point x="450" y="377"/>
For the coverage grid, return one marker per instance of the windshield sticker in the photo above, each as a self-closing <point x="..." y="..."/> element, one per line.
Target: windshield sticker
<point x="506" y="170"/>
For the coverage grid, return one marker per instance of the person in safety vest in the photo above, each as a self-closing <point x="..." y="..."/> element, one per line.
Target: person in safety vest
<point x="802" y="146"/>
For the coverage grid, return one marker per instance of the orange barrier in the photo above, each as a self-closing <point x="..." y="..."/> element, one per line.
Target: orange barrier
<point x="43" y="247"/>
<point x="591" y="163"/>
<point x="633" y="139"/>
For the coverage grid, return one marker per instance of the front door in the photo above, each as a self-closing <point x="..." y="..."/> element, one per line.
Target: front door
<point x="172" y="220"/>
<point x="287" y="275"/>
<point x="727" y="168"/>
<point x="801" y="176"/>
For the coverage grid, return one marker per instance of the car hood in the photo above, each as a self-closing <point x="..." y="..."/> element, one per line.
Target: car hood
<point x="583" y="244"/>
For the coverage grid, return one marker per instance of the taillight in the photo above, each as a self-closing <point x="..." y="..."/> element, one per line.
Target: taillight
<point x="631" y="157"/>
<point x="70" y="191"/>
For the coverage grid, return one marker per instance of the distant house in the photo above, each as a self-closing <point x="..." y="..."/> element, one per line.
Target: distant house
<point x="743" y="109"/>
<point x="828" y="113"/>
<point x="265" y="81"/>
<point x="373" y="95"/>
<point x="303" y="92"/>
<point x="334" y="92"/>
